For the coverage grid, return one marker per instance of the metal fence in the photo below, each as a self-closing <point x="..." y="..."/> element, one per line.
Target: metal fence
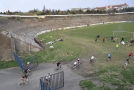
<point x="57" y="81"/>
<point x="44" y="85"/>
<point x="19" y="61"/>
<point x="31" y="61"/>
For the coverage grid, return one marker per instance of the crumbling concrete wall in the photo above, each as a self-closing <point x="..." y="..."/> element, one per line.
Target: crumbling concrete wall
<point x="6" y="51"/>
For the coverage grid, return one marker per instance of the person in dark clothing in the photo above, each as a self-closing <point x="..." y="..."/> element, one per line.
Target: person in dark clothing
<point x="111" y="38"/>
<point x="98" y="36"/>
<point x="59" y="64"/>
<point x="132" y="40"/>
<point x="122" y="39"/>
<point x="126" y="62"/>
<point x="96" y="40"/>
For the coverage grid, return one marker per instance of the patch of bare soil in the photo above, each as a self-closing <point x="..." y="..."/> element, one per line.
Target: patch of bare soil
<point x="88" y="71"/>
<point x="84" y="68"/>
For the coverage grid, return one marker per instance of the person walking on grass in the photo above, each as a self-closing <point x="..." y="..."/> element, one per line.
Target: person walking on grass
<point x="103" y="40"/>
<point x="96" y="40"/>
<point x="122" y="39"/>
<point x="109" y="57"/>
<point x="130" y="54"/>
<point x="92" y="59"/>
<point x="98" y="36"/>
<point x="126" y="62"/>
<point x="117" y="46"/>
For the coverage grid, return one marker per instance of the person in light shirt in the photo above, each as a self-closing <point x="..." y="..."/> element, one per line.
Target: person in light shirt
<point x="92" y="58"/>
<point x="75" y="63"/>
<point x="48" y="77"/>
<point x="109" y="56"/>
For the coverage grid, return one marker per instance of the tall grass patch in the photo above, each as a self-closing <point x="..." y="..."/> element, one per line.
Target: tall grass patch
<point x="7" y="64"/>
<point x="89" y="85"/>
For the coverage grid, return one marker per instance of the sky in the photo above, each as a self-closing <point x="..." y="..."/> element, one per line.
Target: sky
<point x="26" y="5"/>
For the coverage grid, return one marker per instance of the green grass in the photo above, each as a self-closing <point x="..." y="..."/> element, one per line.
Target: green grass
<point x="79" y="42"/>
<point x="117" y="75"/>
<point x="89" y="85"/>
<point x="7" y="64"/>
<point x="113" y="75"/>
<point x="128" y="75"/>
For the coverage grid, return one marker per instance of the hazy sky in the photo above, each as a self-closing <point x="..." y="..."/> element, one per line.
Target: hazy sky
<point x="26" y="5"/>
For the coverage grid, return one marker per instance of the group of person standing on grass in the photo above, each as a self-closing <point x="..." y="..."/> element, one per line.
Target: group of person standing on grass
<point x="98" y="36"/>
<point x="120" y="41"/>
<point x="130" y="55"/>
<point x="111" y="38"/>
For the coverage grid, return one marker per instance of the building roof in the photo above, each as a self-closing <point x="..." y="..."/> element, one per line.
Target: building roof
<point x="120" y="5"/>
<point x="110" y="6"/>
<point x="100" y="8"/>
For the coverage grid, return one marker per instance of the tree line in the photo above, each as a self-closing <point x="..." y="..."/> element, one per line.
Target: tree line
<point x="60" y="12"/>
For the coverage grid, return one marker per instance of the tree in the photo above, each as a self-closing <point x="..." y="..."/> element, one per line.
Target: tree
<point x="8" y="12"/>
<point x="47" y="12"/>
<point x="114" y="11"/>
<point x="80" y="11"/>
<point x="88" y="11"/>
<point x="53" y="12"/>
<point x="44" y="9"/>
<point x="100" y="11"/>
<point x="97" y="11"/>
<point x="72" y="12"/>
<point x="68" y="11"/>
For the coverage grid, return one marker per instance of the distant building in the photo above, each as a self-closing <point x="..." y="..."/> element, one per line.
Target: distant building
<point x="105" y="8"/>
<point x="130" y="7"/>
<point x="75" y="9"/>
<point x="111" y="7"/>
<point x="100" y="8"/>
<point x="83" y="9"/>
<point x="119" y="7"/>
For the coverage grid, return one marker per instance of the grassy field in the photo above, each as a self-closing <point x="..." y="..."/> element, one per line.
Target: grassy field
<point x="81" y="42"/>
